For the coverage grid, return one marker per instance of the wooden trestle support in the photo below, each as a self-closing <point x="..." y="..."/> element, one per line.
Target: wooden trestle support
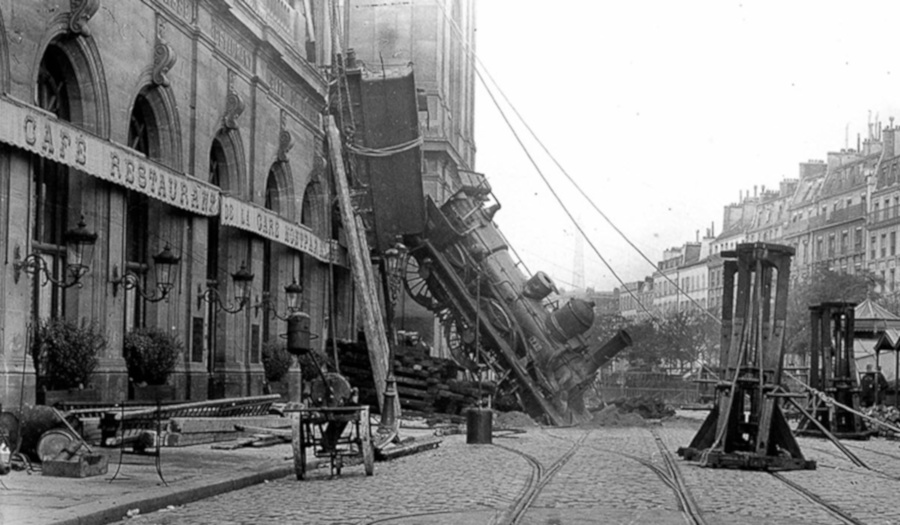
<point x="746" y="429"/>
<point x="832" y="371"/>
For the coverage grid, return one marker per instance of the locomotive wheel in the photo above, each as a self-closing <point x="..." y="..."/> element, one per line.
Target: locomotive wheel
<point x="497" y="315"/>
<point x="500" y="320"/>
<point x="416" y="283"/>
<point x="456" y="335"/>
<point x="456" y="256"/>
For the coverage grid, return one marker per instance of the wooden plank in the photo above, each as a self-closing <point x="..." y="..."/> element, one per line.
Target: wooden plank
<point x="186" y="440"/>
<point x="408" y="448"/>
<point x="281" y="433"/>
<point x="268" y="441"/>
<point x="232" y="445"/>
<point x="373" y="324"/>
<point x="185" y="425"/>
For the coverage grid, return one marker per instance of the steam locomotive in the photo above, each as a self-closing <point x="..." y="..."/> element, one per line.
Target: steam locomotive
<point x="492" y="315"/>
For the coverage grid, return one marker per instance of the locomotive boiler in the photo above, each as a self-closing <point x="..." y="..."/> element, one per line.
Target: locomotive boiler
<point x="461" y="269"/>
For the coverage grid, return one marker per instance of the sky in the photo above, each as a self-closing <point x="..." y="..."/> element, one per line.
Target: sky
<point x="664" y="112"/>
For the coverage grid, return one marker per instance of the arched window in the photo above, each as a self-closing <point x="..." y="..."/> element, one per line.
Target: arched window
<point x="216" y="277"/>
<point x="51" y="189"/>
<point x="141" y="131"/>
<point x="270" y="288"/>
<point x="4" y="59"/>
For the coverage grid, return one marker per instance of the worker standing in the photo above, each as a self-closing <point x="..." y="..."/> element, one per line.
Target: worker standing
<point x="867" y="387"/>
<point x="881" y="386"/>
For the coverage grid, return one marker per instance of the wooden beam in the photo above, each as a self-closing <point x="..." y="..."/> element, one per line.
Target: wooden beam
<point x="360" y="265"/>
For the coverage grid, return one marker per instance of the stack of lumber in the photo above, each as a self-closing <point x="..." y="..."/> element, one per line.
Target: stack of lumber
<point x="186" y="431"/>
<point x="425" y="384"/>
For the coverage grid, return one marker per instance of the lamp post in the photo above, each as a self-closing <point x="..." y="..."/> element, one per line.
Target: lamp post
<point x="394" y="261"/>
<point x="242" y="280"/>
<point x="79" y="243"/>
<point x="163" y="265"/>
<point x="293" y="292"/>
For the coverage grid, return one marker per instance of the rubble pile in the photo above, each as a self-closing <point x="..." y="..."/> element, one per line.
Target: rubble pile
<point x="612" y="416"/>
<point x="425" y="384"/>
<point x="645" y="406"/>
<point x="887" y="414"/>
<point x="514" y="419"/>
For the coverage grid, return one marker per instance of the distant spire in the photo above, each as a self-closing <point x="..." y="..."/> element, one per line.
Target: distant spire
<point x="578" y="263"/>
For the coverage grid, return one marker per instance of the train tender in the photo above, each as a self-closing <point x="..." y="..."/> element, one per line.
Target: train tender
<point x="460" y="267"/>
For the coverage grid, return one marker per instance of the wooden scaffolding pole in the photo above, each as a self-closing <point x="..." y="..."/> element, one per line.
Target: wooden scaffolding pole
<point x="361" y="267"/>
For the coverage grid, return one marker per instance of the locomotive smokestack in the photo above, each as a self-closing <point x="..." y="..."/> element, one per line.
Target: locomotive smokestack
<point x="605" y="353"/>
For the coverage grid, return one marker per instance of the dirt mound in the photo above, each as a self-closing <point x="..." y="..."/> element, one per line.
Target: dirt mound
<point x="646" y="407"/>
<point x="513" y="419"/>
<point x="611" y="416"/>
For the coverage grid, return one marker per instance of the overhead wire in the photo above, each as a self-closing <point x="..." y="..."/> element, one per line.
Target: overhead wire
<point x="479" y="62"/>
<point x="558" y="198"/>
<point x="534" y="162"/>
<point x="591" y="201"/>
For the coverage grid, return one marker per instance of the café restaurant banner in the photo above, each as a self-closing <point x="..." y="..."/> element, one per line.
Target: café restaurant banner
<point x="266" y="223"/>
<point x="41" y="133"/>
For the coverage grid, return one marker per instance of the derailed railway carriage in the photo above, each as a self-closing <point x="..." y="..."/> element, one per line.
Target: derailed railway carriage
<point x="461" y="269"/>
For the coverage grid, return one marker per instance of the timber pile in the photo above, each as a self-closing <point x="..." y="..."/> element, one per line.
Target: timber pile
<point x="186" y="431"/>
<point x="425" y="384"/>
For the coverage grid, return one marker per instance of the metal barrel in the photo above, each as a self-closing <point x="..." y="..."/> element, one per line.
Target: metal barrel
<point x="298" y="334"/>
<point x="479" y="426"/>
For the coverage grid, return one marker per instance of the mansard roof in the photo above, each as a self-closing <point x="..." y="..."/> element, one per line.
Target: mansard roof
<point x="888" y="174"/>
<point x="848" y="177"/>
<point x="808" y="191"/>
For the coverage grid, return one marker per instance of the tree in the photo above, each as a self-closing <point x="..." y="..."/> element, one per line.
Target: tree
<point x="679" y="340"/>
<point x="819" y="286"/>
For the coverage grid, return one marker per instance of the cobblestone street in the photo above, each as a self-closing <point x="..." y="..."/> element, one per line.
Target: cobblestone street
<point x="568" y="476"/>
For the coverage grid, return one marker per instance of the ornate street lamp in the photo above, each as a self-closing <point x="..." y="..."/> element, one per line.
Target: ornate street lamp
<point x="293" y="292"/>
<point x="163" y="264"/>
<point x="79" y="253"/>
<point x="242" y="280"/>
<point x="395" y="259"/>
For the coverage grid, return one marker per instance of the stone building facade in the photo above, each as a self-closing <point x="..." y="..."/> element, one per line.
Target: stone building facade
<point x="188" y="124"/>
<point x="883" y="218"/>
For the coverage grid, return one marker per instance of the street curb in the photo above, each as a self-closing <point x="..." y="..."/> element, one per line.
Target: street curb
<point x="117" y="511"/>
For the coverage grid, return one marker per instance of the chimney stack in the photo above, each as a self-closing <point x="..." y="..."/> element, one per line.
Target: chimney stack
<point x="889" y="143"/>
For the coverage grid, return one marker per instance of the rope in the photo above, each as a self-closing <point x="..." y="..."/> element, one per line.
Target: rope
<point x="387" y="151"/>
<point x="557" y="197"/>
<point x="478" y="61"/>
<point x="830" y="401"/>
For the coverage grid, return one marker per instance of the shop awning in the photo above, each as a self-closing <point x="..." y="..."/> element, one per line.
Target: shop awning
<point x="41" y="133"/>
<point x="267" y="224"/>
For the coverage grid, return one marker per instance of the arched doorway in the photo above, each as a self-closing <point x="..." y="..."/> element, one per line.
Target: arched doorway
<point x="281" y="264"/>
<point x="227" y="249"/>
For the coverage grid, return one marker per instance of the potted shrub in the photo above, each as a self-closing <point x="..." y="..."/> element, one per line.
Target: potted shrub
<point x="65" y="355"/>
<point x="276" y="363"/>
<point x="150" y="356"/>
